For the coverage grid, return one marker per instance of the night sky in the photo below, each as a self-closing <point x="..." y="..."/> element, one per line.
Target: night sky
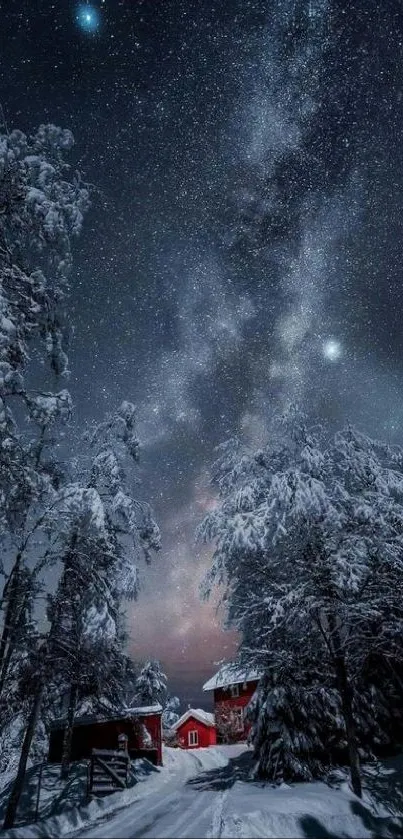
<point x="244" y="247"/>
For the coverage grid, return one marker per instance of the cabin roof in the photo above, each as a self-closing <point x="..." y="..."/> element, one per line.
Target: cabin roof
<point x="123" y="714"/>
<point x="195" y="713"/>
<point x="230" y="674"/>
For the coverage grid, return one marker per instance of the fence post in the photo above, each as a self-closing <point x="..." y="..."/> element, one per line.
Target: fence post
<point x="123" y="743"/>
<point x="123" y="746"/>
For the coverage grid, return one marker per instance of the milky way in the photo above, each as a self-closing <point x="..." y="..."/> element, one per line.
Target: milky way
<point x="245" y="244"/>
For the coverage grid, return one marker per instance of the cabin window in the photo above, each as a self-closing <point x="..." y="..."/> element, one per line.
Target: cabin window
<point x="193" y="738"/>
<point x="237" y="716"/>
<point x="234" y="690"/>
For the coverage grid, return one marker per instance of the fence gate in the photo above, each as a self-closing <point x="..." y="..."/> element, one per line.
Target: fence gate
<point x="109" y="771"/>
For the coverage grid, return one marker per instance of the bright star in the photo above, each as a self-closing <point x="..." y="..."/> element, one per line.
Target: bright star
<point x="88" y="18"/>
<point x="332" y="349"/>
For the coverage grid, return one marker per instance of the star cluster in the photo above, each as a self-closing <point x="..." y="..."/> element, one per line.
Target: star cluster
<point x="88" y="18"/>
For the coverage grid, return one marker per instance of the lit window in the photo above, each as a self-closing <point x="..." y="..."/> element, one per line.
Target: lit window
<point x="193" y="738"/>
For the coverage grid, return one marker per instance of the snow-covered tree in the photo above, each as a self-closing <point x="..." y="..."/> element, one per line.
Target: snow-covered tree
<point x="42" y="204"/>
<point x="28" y="548"/>
<point x="170" y="713"/>
<point x="82" y="626"/>
<point x="107" y="532"/>
<point x="227" y="722"/>
<point x="134" y="535"/>
<point x="102" y="533"/>
<point x="151" y="684"/>
<point x="297" y="726"/>
<point x="308" y="546"/>
<point x="87" y="523"/>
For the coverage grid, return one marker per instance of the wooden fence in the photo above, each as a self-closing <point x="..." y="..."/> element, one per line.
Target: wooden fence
<point x="108" y="771"/>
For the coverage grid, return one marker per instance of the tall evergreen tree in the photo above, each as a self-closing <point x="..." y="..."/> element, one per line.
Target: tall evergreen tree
<point x="90" y="523"/>
<point x="42" y="204"/>
<point x="41" y="209"/>
<point x="107" y="533"/>
<point x="151" y="684"/>
<point x="305" y="532"/>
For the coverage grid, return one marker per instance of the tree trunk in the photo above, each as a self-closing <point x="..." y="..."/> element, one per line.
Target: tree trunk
<point x="10" y="617"/>
<point x="18" y="785"/>
<point x="15" y="633"/>
<point x="6" y="665"/>
<point x="13" y="611"/>
<point x="395" y="677"/>
<point x="68" y="732"/>
<point x="347" y="706"/>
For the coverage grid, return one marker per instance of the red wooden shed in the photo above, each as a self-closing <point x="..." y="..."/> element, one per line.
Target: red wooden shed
<point x="195" y="729"/>
<point x="141" y="725"/>
<point x="233" y="689"/>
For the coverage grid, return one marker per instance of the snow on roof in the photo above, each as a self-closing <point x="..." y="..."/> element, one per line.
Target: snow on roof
<point x="125" y="713"/>
<point x="230" y="674"/>
<point x="143" y="710"/>
<point x="197" y="714"/>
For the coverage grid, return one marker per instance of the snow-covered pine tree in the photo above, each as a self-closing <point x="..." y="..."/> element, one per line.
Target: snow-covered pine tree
<point x="15" y="699"/>
<point x="151" y="684"/>
<point x="302" y="533"/>
<point x="372" y="474"/>
<point x="33" y="678"/>
<point x="106" y="534"/>
<point x="170" y="713"/>
<point x="226" y="722"/>
<point x="103" y="532"/>
<point x="82" y="627"/>
<point x="41" y="209"/>
<point x="114" y="449"/>
<point x="26" y="542"/>
<point x="129" y="674"/>
<point x="297" y="725"/>
<point x="42" y="204"/>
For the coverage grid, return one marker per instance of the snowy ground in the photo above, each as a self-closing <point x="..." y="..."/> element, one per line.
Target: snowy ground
<point x="204" y="794"/>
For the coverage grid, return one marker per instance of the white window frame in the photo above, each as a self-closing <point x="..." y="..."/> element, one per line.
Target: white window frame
<point x="234" y="689"/>
<point x="193" y="737"/>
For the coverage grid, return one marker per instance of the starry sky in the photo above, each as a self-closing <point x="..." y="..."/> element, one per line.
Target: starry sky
<point x="244" y="247"/>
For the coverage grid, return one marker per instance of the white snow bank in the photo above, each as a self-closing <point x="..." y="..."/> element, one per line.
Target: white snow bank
<point x="294" y="812"/>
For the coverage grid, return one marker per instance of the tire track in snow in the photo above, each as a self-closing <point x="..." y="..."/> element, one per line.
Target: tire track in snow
<point x="132" y="819"/>
<point x="217" y="823"/>
<point x="134" y="816"/>
<point x="187" y="820"/>
<point x="126" y="817"/>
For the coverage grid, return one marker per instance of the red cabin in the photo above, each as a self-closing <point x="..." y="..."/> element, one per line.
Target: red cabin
<point x="195" y="729"/>
<point x="233" y="690"/>
<point x="142" y="726"/>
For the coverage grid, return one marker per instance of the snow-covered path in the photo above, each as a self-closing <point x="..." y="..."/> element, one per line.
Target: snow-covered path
<point x="186" y="813"/>
<point x="208" y="794"/>
<point x="167" y="806"/>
